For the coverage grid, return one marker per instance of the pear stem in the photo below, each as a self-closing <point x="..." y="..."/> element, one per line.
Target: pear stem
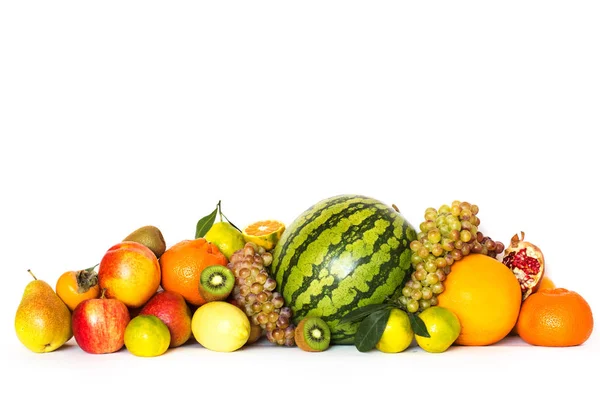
<point x="32" y="274"/>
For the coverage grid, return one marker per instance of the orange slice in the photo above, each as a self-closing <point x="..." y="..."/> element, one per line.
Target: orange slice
<point x="264" y="233"/>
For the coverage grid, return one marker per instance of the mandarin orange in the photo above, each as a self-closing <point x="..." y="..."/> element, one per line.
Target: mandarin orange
<point x="546" y="283"/>
<point x="555" y="318"/>
<point x="182" y="264"/>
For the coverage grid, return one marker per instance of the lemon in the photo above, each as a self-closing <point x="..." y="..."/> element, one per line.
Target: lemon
<point x="398" y="334"/>
<point x="443" y="327"/>
<point x="220" y="326"/>
<point x="226" y="238"/>
<point x="147" y="336"/>
<point x="264" y="233"/>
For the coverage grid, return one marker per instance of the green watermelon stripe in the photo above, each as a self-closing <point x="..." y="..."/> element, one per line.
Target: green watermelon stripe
<point x="305" y="239"/>
<point x="351" y="235"/>
<point x="381" y="286"/>
<point x="342" y="253"/>
<point x="330" y="225"/>
<point x="307" y="218"/>
<point x="333" y="320"/>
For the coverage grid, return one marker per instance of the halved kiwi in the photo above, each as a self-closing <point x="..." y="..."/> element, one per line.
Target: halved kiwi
<point x="216" y="283"/>
<point x="312" y="334"/>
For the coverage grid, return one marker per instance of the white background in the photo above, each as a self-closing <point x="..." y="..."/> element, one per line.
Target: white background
<point x="118" y="114"/>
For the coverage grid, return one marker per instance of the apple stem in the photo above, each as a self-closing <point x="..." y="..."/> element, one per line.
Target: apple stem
<point x="102" y="294"/>
<point x="32" y="274"/>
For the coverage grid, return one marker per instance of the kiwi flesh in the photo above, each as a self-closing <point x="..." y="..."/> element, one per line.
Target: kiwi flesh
<point x="216" y="283"/>
<point x="312" y="334"/>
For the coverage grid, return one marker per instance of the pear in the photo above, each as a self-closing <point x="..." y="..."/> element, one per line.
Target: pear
<point x="151" y="237"/>
<point x="226" y="237"/>
<point x="43" y="321"/>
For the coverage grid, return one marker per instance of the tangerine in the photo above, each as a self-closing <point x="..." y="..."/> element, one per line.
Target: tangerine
<point x="546" y="283"/>
<point x="182" y="264"/>
<point x="264" y="233"/>
<point x="485" y="296"/>
<point x="555" y="318"/>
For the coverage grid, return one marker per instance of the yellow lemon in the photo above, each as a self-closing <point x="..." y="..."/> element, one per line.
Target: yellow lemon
<point x="147" y="336"/>
<point x="264" y="233"/>
<point x="443" y="327"/>
<point x="398" y="334"/>
<point x="220" y="326"/>
<point x="226" y="238"/>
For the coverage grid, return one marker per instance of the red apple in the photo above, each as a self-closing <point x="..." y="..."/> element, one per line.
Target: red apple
<point x="171" y="308"/>
<point x="99" y="325"/>
<point x="130" y="272"/>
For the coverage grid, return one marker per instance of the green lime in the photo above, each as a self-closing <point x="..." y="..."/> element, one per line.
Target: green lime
<point x="147" y="336"/>
<point x="226" y="238"/>
<point x="443" y="327"/>
<point x="398" y="334"/>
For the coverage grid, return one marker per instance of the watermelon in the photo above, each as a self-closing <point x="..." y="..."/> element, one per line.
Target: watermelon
<point x="343" y="253"/>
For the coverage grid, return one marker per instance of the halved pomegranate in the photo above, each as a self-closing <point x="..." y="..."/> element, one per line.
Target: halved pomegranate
<point x="527" y="263"/>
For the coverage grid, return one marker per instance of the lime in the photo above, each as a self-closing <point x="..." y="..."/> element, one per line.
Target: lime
<point x="398" y="334"/>
<point x="264" y="233"/>
<point x="220" y="326"/>
<point x="443" y="327"/>
<point x="226" y="238"/>
<point x="147" y="336"/>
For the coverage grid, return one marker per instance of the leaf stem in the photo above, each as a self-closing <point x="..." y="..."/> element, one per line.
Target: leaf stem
<point x="232" y="224"/>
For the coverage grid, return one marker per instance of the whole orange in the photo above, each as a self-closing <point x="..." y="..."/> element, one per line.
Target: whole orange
<point x="182" y="264"/>
<point x="555" y="318"/>
<point x="486" y="297"/>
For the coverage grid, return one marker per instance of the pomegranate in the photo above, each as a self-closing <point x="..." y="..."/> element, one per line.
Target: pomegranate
<point x="527" y="263"/>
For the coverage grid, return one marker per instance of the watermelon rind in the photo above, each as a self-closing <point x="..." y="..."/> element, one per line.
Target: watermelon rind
<point x="342" y="253"/>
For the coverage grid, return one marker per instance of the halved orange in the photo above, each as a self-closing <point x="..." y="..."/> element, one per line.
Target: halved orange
<point x="264" y="233"/>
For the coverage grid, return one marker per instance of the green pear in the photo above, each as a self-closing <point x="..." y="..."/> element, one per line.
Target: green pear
<point x="43" y="321"/>
<point x="227" y="238"/>
<point x="151" y="237"/>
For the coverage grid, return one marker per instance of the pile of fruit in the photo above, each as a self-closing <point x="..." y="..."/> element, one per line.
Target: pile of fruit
<point x="349" y="270"/>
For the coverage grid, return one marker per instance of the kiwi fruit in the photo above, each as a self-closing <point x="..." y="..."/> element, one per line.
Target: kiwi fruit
<point x="312" y="334"/>
<point x="151" y="237"/>
<point x="216" y="283"/>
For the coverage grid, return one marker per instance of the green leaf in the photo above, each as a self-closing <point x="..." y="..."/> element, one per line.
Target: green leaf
<point x="417" y="325"/>
<point x="370" y="330"/>
<point x="205" y="223"/>
<point x="362" y="312"/>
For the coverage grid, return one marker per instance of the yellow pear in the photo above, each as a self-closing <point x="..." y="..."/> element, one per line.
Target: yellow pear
<point x="43" y="321"/>
<point x="227" y="238"/>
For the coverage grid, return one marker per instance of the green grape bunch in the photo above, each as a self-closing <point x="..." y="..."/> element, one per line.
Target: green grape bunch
<point x="447" y="235"/>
